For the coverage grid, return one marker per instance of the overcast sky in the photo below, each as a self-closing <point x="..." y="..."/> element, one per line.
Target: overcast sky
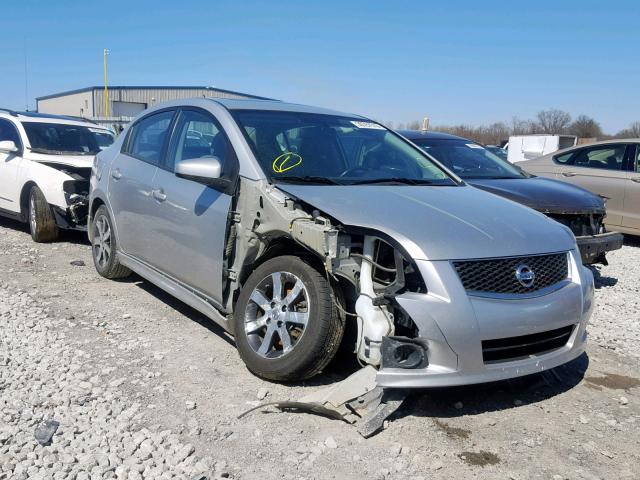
<point x="457" y="61"/>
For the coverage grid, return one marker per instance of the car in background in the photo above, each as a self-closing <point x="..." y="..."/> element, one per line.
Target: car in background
<point x="610" y="169"/>
<point x="497" y="151"/>
<point x="575" y="207"/>
<point x="45" y="165"/>
<point x="285" y="223"/>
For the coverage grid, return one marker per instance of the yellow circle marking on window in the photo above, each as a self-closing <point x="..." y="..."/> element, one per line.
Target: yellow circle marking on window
<point x="286" y="161"/>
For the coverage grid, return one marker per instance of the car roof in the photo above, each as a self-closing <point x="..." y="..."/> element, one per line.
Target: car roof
<point x="48" y="118"/>
<point x="253" y="104"/>
<point x="418" y="134"/>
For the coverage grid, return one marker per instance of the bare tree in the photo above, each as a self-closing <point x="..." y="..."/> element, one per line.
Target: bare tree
<point x="585" y="127"/>
<point x="553" y="121"/>
<point x="633" y="131"/>
<point x="414" y="125"/>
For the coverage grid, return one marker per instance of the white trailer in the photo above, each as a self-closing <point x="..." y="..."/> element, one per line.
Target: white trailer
<point x="527" y="147"/>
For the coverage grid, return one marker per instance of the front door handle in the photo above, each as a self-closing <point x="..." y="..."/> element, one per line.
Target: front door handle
<point x="637" y="180"/>
<point x="159" y="195"/>
<point x="568" y="174"/>
<point x="116" y="174"/>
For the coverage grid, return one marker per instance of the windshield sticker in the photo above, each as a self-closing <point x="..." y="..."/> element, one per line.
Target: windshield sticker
<point x="473" y="145"/>
<point x="370" y="125"/>
<point x="286" y="161"/>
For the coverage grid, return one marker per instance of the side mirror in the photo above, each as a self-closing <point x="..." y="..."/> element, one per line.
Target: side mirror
<point x="8" y="146"/>
<point x="205" y="170"/>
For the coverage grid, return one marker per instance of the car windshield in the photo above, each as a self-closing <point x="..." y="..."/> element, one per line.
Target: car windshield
<point x="61" y="139"/>
<point x="294" y="147"/>
<point x="469" y="160"/>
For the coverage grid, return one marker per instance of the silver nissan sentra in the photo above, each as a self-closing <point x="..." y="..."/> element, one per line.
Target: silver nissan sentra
<point x="290" y="225"/>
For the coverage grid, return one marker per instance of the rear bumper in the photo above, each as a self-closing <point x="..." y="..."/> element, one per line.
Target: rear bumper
<point x="452" y="326"/>
<point x="592" y="247"/>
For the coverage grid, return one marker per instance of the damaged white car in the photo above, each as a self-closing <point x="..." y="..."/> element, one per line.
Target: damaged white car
<point x="45" y="164"/>
<point x="287" y="224"/>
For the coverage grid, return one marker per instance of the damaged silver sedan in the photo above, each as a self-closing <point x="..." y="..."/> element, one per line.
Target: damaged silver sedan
<point x="288" y="225"/>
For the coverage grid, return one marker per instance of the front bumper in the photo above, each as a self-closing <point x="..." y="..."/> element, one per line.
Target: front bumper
<point x="452" y="325"/>
<point x="593" y="247"/>
<point x="74" y="217"/>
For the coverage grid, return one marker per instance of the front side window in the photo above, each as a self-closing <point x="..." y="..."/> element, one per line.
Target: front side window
<point x="468" y="160"/>
<point x="8" y="132"/>
<point x="606" y="157"/>
<point x="199" y="136"/>
<point x="148" y="136"/>
<point x="61" y="139"/>
<point x="331" y="149"/>
<point x="104" y="138"/>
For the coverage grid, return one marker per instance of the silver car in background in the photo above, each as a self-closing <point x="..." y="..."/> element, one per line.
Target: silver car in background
<point x="288" y="224"/>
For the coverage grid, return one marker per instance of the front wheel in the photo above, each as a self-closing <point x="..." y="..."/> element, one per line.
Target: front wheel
<point x="41" y="221"/>
<point x="286" y="325"/>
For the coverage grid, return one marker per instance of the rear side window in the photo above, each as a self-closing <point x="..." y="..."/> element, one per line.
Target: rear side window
<point x="148" y="136"/>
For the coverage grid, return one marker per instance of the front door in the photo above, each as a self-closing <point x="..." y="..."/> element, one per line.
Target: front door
<point x="601" y="169"/>
<point x="131" y="183"/>
<point x="190" y="219"/>
<point x="9" y="163"/>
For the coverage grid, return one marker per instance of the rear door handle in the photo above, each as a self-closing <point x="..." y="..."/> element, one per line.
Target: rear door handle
<point x="116" y="174"/>
<point x="568" y="174"/>
<point x="159" y="195"/>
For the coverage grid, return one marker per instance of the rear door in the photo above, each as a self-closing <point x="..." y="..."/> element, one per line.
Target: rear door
<point x="601" y="169"/>
<point x="631" y="215"/>
<point x="9" y="163"/>
<point x="131" y="182"/>
<point x="189" y="220"/>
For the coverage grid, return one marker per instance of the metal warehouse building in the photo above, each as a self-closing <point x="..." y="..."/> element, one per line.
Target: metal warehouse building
<point x="124" y="102"/>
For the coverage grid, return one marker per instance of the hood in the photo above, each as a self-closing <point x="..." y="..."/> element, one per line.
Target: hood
<point x="77" y="161"/>
<point x="440" y="223"/>
<point x="543" y="194"/>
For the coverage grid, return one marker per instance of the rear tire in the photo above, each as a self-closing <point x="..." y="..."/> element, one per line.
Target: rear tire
<point x="42" y="223"/>
<point x="103" y="246"/>
<point x="287" y="327"/>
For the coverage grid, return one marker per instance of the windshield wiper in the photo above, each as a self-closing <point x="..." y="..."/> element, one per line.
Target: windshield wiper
<point x="47" y="151"/>
<point x="406" y="181"/>
<point x="306" y="179"/>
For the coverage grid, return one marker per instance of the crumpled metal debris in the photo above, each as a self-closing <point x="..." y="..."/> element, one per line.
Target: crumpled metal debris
<point x="45" y="430"/>
<point x="356" y="400"/>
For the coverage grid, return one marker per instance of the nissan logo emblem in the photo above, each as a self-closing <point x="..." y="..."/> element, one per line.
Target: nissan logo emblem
<point x="525" y="275"/>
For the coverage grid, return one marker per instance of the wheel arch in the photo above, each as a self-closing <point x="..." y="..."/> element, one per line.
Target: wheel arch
<point x="24" y="199"/>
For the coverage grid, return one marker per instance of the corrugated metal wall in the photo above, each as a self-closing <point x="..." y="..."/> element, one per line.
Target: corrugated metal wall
<point x="153" y="96"/>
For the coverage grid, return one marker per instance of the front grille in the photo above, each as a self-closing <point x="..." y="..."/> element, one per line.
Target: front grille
<point x="513" y="348"/>
<point x="498" y="275"/>
<point x="580" y="224"/>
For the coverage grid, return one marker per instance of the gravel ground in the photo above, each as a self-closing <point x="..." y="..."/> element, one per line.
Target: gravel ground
<point x="142" y="386"/>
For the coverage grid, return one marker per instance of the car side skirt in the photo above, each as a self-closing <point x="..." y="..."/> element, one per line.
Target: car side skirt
<point x="177" y="289"/>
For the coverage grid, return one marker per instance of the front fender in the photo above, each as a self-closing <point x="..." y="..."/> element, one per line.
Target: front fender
<point x="48" y="179"/>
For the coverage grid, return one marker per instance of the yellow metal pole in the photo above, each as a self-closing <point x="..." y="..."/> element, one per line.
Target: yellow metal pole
<point x="106" y="90"/>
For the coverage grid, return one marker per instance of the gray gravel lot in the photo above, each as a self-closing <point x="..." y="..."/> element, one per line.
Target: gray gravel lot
<point x="144" y="387"/>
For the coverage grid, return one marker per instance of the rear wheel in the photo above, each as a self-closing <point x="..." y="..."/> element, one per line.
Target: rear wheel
<point x="103" y="246"/>
<point x="286" y="325"/>
<point x="42" y="224"/>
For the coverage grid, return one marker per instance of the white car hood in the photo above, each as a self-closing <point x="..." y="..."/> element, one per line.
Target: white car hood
<point x="440" y="223"/>
<point x="77" y="161"/>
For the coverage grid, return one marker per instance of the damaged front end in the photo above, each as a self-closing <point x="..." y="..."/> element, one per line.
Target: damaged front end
<point x="366" y="269"/>
<point x="592" y="238"/>
<point x="76" y="194"/>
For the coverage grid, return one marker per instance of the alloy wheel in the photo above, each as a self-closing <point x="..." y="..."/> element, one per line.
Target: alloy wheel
<point x="277" y="314"/>
<point x="102" y="241"/>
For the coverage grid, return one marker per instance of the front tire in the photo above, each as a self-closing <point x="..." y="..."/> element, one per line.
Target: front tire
<point x="287" y="327"/>
<point x="42" y="224"/>
<point x="103" y="246"/>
